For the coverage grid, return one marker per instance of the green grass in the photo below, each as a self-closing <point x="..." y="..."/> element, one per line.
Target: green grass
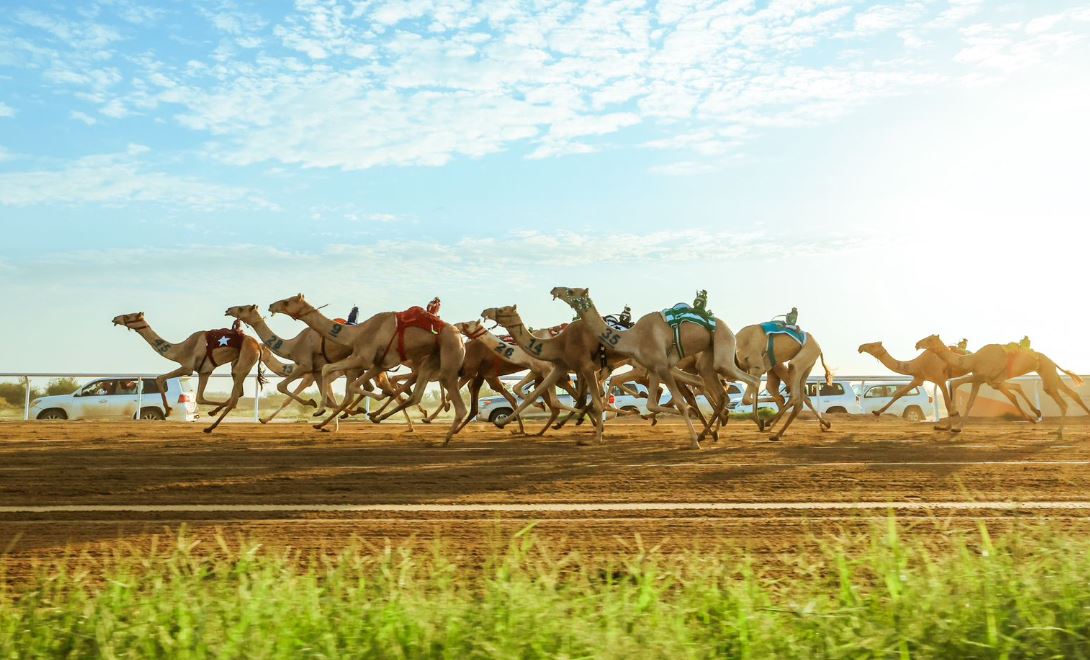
<point x="1025" y="595"/>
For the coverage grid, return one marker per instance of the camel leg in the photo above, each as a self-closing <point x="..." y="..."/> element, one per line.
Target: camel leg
<point x="245" y="361"/>
<point x="948" y="401"/>
<point x="548" y="381"/>
<point x="796" y="387"/>
<point x="1017" y="389"/>
<point x="953" y="416"/>
<point x="496" y="384"/>
<point x="597" y="406"/>
<point x="1004" y="389"/>
<point x="306" y="382"/>
<point x="1066" y="389"/>
<point x="161" y="382"/>
<point x="554" y="410"/>
<point x="202" y="382"/>
<point x="969" y="407"/>
<point x="916" y="382"/>
<point x="420" y="384"/>
<point x="352" y="388"/>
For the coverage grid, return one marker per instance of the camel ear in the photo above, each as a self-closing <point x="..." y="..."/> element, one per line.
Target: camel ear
<point x="514" y="307"/>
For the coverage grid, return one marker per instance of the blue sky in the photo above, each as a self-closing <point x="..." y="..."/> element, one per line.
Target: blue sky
<point x="893" y="169"/>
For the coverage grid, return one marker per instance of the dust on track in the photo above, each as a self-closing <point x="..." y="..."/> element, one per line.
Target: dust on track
<point x="173" y="465"/>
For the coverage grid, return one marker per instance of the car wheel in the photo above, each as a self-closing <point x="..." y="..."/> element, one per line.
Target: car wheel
<point x="913" y="415"/>
<point x="152" y="414"/>
<point x="52" y="414"/>
<point x="499" y="414"/>
<point x="836" y="410"/>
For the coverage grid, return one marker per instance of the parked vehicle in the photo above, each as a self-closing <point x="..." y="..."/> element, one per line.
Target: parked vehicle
<point x="117" y="398"/>
<point x="493" y="408"/>
<point x="838" y="398"/>
<point x="625" y="401"/>
<point x="915" y="406"/>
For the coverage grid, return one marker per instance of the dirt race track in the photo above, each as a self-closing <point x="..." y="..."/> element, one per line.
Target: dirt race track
<point x="86" y="486"/>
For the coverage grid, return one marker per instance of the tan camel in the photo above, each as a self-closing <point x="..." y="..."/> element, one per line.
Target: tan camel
<point x="379" y="344"/>
<point x="651" y="342"/>
<point x="310" y="352"/>
<point x="789" y="362"/>
<point x="575" y="350"/>
<point x="994" y="365"/>
<point x="926" y="367"/>
<point x="194" y="354"/>
<point x="488" y="357"/>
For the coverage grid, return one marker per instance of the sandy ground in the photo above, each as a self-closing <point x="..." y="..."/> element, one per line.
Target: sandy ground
<point x="89" y="486"/>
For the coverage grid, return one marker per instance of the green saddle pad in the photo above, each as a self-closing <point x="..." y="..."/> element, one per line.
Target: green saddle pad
<point x="683" y="313"/>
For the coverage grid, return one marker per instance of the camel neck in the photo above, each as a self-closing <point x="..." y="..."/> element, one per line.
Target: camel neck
<point x="157" y="343"/>
<point x="953" y="359"/>
<point x="543" y="349"/>
<point x="276" y="366"/>
<point x="338" y="333"/>
<point x="615" y="340"/>
<point x="894" y="365"/>
<point x="276" y="344"/>
<point x="516" y="356"/>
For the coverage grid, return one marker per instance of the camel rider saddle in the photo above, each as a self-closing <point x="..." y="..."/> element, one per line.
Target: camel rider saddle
<point x="622" y="321"/>
<point x="222" y="338"/>
<point x="686" y="313"/>
<point x="773" y="328"/>
<point x="414" y="317"/>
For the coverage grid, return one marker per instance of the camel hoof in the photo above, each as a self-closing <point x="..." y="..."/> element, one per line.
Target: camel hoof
<point x="775" y="437"/>
<point x="262" y="420"/>
<point x="373" y="417"/>
<point x="208" y="429"/>
<point x="715" y="436"/>
<point x="318" y="413"/>
<point x="940" y="428"/>
<point x="825" y="426"/>
<point x="312" y="403"/>
<point x="876" y="413"/>
<point x="654" y="421"/>
<point x="425" y="420"/>
<point x="955" y="430"/>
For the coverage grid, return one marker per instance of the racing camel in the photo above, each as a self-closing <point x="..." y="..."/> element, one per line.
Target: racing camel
<point x="383" y="342"/>
<point x="658" y="345"/>
<point x="574" y="350"/>
<point x="785" y="354"/>
<point x="994" y="365"/>
<point x="310" y="352"/>
<point x="202" y="352"/>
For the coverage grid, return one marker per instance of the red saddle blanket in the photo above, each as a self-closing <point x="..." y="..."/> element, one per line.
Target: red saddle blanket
<point x="553" y="331"/>
<point x="221" y="338"/>
<point x="415" y="317"/>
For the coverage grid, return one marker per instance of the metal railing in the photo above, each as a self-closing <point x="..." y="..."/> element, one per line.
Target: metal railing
<point x="863" y="380"/>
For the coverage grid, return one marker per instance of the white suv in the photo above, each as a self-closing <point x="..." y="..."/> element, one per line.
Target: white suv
<point x="838" y="398"/>
<point x="116" y="398"/>
<point x="915" y="406"/>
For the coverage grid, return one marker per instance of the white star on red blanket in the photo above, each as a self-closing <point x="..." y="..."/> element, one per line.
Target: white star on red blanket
<point x="224" y="341"/>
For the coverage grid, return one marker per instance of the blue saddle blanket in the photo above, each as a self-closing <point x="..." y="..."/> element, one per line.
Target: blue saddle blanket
<point x="684" y="313"/>
<point x="779" y="328"/>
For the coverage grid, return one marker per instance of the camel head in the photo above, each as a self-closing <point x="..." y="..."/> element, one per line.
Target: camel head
<point x="871" y="348"/>
<point x="293" y="307"/>
<point x="930" y="343"/>
<point x="245" y="313"/>
<point x="471" y="329"/>
<point x="128" y="320"/>
<point x="501" y="315"/>
<point x="577" y="299"/>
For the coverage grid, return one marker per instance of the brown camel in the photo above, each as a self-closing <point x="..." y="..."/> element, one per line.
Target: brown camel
<point x="310" y="352"/>
<point x="574" y="350"/>
<point x="926" y="367"/>
<point x="651" y="342"/>
<point x="194" y="354"/>
<point x="381" y="343"/>
<point x="789" y="362"/>
<point x="994" y="365"/>
<point x="488" y="357"/>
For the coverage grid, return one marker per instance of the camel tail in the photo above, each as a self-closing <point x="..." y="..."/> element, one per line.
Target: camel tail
<point x="828" y="371"/>
<point x="1075" y="378"/>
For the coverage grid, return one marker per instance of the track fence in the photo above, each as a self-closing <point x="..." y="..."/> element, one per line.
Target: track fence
<point x="1032" y="385"/>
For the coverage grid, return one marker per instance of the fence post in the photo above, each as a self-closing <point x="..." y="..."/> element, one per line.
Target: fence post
<point x="26" y="398"/>
<point x="935" y="402"/>
<point x="140" y="398"/>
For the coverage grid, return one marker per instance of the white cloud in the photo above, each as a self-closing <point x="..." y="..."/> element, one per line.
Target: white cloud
<point x="120" y="179"/>
<point x="5" y="155"/>
<point x="83" y="117"/>
<point x="355" y="85"/>
<point x="6" y="110"/>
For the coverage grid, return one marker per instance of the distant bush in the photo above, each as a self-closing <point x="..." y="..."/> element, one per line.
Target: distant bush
<point x="61" y="386"/>
<point x="14" y="393"/>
